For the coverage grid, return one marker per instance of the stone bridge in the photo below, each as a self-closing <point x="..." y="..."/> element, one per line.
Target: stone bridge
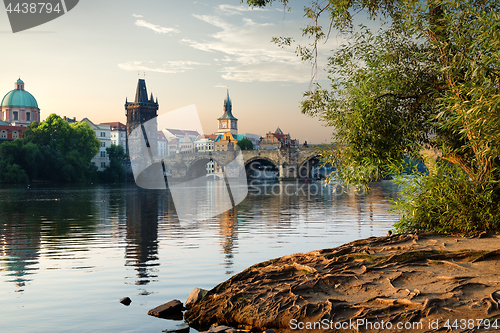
<point x="292" y="163"/>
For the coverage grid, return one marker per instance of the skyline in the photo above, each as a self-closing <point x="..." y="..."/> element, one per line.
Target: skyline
<point x="87" y="62"/>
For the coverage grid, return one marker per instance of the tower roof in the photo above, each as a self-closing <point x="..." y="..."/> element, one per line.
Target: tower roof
<point x="19" y="97"/>
<point x="228" y="107"/>
<point x="141" y="94"/>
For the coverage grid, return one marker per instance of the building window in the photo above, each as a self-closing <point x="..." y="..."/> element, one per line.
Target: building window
<point x="103" y="134"/>
<point x="15" y="135"/>
<point x="28" y="116"/>
<point x="4" y="135"/>
<point x="15" y="115"/>
<point x="103" y="164"/>
<point x="103" y="154"/>
<point x="103" y="144"/>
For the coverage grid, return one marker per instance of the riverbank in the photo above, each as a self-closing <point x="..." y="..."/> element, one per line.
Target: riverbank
<point x="410" y="282"/>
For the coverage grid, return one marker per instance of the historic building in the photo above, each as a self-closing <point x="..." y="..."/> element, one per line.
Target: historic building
<point x="228" y="122"/>
<point x="277" y="140"/>
<point x="226" y="142"/>
<point x="103" y="133"/>
<point x="171" y="133"/>
<point x="19" y="107"/>
<point x="204" y="143"/>
<point x="141" y="110"/>
<point x="9" y="132"/>
<point x="118" y="134"/>
<point x="162" y="144"/>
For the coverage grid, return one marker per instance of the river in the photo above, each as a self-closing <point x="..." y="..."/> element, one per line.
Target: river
<point x="68" y="254"/>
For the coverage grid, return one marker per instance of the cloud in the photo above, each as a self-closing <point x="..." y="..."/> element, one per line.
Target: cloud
<point x="137" y="15"/>
<point x="220" y="86"/>
<point x="267" y="72"/>
<point x="247" y="54"/>
<point x="238" y="10"/>
<point x="156" y="28"/>
<point x="169" y="67"/>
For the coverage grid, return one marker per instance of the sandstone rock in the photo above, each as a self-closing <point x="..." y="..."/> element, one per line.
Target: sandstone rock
<point x="219" y="329"/>
<point x="183" y="328"/>
<point x="169" y="310"/>
<point x="126" y="301"/>
<point x="196" y="295"/>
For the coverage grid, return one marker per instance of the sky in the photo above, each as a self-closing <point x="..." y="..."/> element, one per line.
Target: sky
<point x="86" y="62"/>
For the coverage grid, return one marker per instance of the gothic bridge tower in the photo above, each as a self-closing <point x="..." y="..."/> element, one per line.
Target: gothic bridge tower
<point x="141" y="110"/>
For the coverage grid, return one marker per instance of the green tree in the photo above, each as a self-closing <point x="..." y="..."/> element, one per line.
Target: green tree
<point x="245" y="144"/>
<point x="115" y="172"/>
<point x="430" y="80"/>
<point x="67" y="149"/>
<point x="426" y="85"/>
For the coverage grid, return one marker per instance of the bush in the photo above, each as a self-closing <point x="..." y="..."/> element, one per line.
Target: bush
<point x="447" y="202"/>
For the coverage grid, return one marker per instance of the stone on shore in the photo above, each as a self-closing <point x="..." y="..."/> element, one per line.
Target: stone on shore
<point x="182" y="328"/>
<point x="196" y="295"/>
<point x="223" y="329"/>
<point x="126" y="301"/>
<point x="169" y="310"/>
<point x="409" y="279"/>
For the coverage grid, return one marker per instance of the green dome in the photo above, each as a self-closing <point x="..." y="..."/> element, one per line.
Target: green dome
<point x="19" y="98"/>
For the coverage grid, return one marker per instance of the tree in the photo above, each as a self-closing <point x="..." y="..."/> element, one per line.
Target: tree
<point x="426" y="85"/>
<point x="245" y="144"/>
<point x="67" y="149"/>
<point x="430" y="80"/>
<point x="115" y="172"/>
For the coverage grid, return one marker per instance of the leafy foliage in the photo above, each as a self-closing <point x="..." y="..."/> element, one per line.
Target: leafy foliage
<point x="447" y="202"/>
<point x="51" y="150"/>
<point x="429" y="81"/>
<point x="66" y="149"/>
<point x="115" y="172"/>
<point x="245" y="144"/>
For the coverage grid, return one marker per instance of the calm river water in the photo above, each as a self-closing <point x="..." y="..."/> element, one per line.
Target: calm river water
<point x="68" y="254"/>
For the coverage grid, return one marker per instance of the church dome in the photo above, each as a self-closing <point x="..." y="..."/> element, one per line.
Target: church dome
<point x="19" y="97"/>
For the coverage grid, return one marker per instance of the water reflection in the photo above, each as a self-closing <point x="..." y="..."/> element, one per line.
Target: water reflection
<point x="228" y="231"/>
<point x="63" y="226"/>
<point x="19" y="250"/>
<point x="142" y="207"/>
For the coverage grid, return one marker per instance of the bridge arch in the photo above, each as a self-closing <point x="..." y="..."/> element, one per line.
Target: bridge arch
<point x="253" y="167"/>
<point x="198" y="167"/>
<point x="307" y="164"/>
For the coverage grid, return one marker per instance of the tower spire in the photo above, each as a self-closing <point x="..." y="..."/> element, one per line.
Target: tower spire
<point x="228" y="122"/>
<point x="141" y="94"/>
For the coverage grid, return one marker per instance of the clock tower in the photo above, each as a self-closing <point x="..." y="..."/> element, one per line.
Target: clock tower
<point x="227" y="122"/>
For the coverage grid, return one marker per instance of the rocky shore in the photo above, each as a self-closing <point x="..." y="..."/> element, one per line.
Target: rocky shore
<point x="410" y="282"/>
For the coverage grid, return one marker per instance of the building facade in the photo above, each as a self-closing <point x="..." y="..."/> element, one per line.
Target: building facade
<point x="162" y="144"/>
<point x="118" y="134"/>
<point x="225" y="143"/>
<point x="278" y="140"/>
<point x="204" y="144"/>
<point x="9" y="132"/>
<point x="103" y="133"/>
<point x="19" y="107"/>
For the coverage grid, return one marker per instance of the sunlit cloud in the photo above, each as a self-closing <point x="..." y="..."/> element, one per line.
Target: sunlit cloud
<point x="156" y="28"/>
<point x="169" y="67"/>
<point x="238" y="10"/>
<point x="247" y="53"/>
<point x="137" y="15"/>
